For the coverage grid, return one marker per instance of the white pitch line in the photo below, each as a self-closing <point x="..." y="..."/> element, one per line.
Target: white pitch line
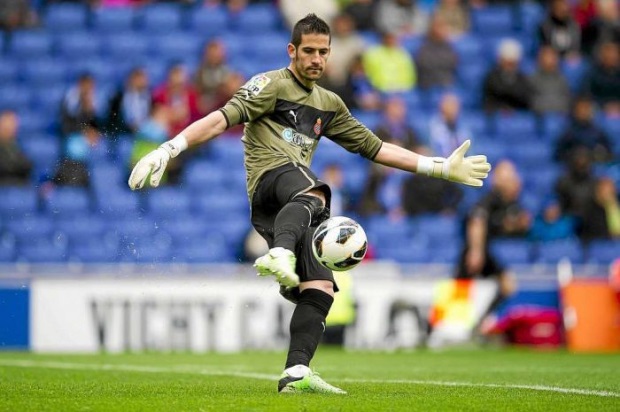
<point x="260" y="376"/>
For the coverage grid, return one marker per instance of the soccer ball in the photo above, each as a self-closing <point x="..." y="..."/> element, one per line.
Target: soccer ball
<point x="339" y="243"/>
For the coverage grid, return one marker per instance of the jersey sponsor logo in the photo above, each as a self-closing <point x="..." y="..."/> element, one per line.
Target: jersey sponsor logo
<point x="255" y="85"/>
<point x="317" y="127"/>
<point x="298" y="139"/>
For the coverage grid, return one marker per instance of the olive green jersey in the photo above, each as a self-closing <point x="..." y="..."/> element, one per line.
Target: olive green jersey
<point x="284" y="121"/>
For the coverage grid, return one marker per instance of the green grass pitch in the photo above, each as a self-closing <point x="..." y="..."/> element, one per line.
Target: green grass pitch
<point x="453" y="380"/>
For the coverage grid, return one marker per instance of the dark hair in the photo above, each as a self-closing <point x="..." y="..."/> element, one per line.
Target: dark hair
<point x="311" y="24"/>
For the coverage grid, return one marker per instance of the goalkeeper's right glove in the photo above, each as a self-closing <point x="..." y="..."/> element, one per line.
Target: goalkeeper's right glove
<point x="456" y="168"/>
<point x="154" y="164"/>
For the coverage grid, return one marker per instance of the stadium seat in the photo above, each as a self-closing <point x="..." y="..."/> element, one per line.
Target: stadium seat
<point x="476" y="122"/>
<point x="440" y="229"/>
<point x="42" y="251"/>
<point x="175" y="47"/>
<point x="414" y="250"/>
<point x="113" y="20"/>
<point x="204" y="175"/>
<point x="31" y="227"/>
<point x="65" y="17"/>
<point x="553" y="252"/>
<point x="93" y="251"/>
<point x="77" y="45"/>
<point x="184" y="228"/>
<point x="26" y="44"/>
<point x="530" y="16"/>
<point x="530" y="155"/>
<point x="151" y="249"/>
<point x="227" y="152"/>
<point x="448" y="253"/>
<point x="216" y="205"/>
<point x="126" y="46"/>
<point x="209" y="21"/>
<point x="43" y="150"/>
<point x="167" y="201"/>
<point x="9" y="71"/>
<point x="68" y="201"/>
<point x="603" y="251"/>
<point x="31" y="122"/>
<point x="511" y="251"/>
<point x="575" y="72"/>
<point x="18" y="201"/>
<point x="48" y="103"/>
<point x="44" y="72"/>
<point x="493" y="20"/>
<point x="256" y="19"/>
<point x="15" y="97"/>
<point x="160" y="18"/>
<point x="118" y="203"/>
<point x="104" y="73"/>
<point x="552" y="125"/>
<point x="515" y="127"/>
<point x="385" y="232"/>
<point x="209" y="249"/>
<point x="7" y="251"/>
<point x="81" y="228"/>
<point x="468" y="47"/>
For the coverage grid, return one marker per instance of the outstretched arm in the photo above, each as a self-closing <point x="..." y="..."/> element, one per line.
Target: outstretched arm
<point x="154" y="164"/>
<point x="456" y="168"/>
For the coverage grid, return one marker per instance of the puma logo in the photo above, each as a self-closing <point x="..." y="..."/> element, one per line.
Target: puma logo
<point x="292" y="113"/>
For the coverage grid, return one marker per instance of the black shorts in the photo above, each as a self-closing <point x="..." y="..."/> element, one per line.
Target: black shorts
<point x="275" y="189"/>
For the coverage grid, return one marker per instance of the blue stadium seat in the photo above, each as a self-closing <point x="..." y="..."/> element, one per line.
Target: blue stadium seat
<point x="30" y="228"/>
<point x="118" y="203"/>
<point x="552" y="125"/>
<point x="65" y="17"/>
<point x="530" y="155"/>
<point x="9" y="71"/>
<point x="541" y="180"/>
<point x="44" y="72"/>
<point x="270" y="49"/>
<point x="93" y="251"/>
<point x="603" y="251"/>
<point x="468" y="47"/>
<point x="256" y="19"/>
<point x="530" y="16"/>
<point x="228" y="152"/>
<point x="48" y="103"/>
<point x="440" y="229"/>
<point x="126" y="46"/>
<point x="204" y="175"/>
<point x="448" y="253"/>
<point x="167" y="201"/>
<point x="76" y="45"/>
<point x="15" y="97"/>
<point x="209" y="21"/>
<point x="553" y="252"/>
<point x="7" y="251"/>
<point x="234" y="227"/>
<point x="31" y="122"/>
<point x="515" y="127"/>
<point x="175" y="46"/>
<point x="493" y="20"/>
<point x="114" y="20"/>
<point x="413" y="250"/>
<point x="511" y="251"/>
<point x="575" y="72"/>
<point x="476" y="122"/>
<point x="68" y="201"/>
<point x="18" y="201"/>
<point x="81" y="228"/>
<point x="30" y="43"/>
<point x="209" y="249"/>
<point x="101" y="69"/>
<point x="385" y="232"/>
<point x="218" y="205"/>
<point x="149" y="249"/>
<point x="42" y="251"/>
<point x="493" y="149"/>
<point x="160" y="18"/>
<point x="184" y="228"/>
<point x="471" y="75"/>
<point x="43" y="150"/>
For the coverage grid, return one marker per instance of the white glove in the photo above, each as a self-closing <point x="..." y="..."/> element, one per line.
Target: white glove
<point x="456" y="168"/>
<point x="154" y="164"/>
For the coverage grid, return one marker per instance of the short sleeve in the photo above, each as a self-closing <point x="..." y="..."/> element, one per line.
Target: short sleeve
<point x="254" y="99"/>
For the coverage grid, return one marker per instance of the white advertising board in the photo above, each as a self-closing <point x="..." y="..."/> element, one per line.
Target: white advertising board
<point x="198" y="314"/>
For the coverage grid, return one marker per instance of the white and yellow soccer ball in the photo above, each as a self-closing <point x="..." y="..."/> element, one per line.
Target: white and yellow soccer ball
<point x="339" y="243"/>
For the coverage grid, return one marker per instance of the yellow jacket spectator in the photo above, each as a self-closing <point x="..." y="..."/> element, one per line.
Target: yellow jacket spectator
<point x="389" y="67"/>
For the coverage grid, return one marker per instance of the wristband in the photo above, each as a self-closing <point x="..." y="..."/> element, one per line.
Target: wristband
<point x="433" y="166"/>
<point x="175" y="146"/>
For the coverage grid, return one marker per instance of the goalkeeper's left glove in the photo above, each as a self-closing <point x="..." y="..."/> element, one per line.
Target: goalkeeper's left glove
<point x="456" y="168"/>
<point x="154" y="164"/>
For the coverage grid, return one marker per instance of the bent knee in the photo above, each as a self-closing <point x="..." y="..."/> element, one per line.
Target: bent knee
<point x="322" y="285"/>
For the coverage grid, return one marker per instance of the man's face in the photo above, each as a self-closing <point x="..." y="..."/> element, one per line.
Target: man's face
<point x="310" y="58"/>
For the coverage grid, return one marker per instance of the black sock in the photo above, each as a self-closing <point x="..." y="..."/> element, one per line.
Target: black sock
<point x="290" y="224"/>
<point x="307" y="326"/>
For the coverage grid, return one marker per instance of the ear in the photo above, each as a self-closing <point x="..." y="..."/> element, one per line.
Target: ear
<point x="291" y="50"/>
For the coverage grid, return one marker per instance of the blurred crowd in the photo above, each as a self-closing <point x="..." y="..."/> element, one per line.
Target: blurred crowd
<point x="384" y="54"/>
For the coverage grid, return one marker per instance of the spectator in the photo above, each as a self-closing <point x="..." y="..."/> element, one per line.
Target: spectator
<point x="334" y="177"/>
<point x="603" y="28"/>
<point x="346" y="45"/>
<point x="436" y="59"/>
<point x="454" y="13"/>
<point x="389" y="67"/>
<point x="584" y="11"/>
<point x="15" y="167"/>
<point x="130" y="106"/>
<point x="229" y="86"/>
<point x="423" y="195"/>
<point x="602" y="216"/>
<point x="152" y="133"/>
<point x="498" y="214"/>
<point x="80" y="148"/>
<point x="80" y="105"/>
<point x="551" y="224"/>
<point x="402" y="17"/>
<point x="293" y="10"/>
<point x="394" y="127"/>
<point x="180" y="97"/>
<point x="211" y="73"/>
<point x="15" y="14"/>
<point x="560" y="31"/>
<point x="575" y="189"/>
<point x="446" y="132"/>
<point x="505" y="86"/>
<point x="582" y="133"/>
<point x="603" y="82"/>
<point x="358" y="92"/>
<point x="362" y="12"/>
<point x="549" y="87"/>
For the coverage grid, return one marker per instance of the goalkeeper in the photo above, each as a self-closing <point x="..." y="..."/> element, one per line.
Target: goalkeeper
<point x="285" y="114"/>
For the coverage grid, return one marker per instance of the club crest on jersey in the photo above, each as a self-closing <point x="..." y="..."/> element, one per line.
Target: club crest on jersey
<point x="256" y="84"/>
<point x="317" y="127"/>
<point x="295" y="138"/>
